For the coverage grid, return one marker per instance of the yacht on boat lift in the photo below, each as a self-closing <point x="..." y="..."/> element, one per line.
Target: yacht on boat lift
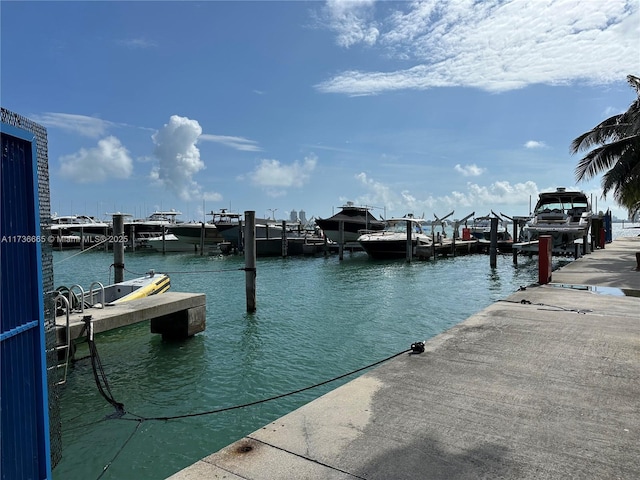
<point x="480" y="229"/>
<point x="391" y="242"/>
<point x="355" y="219"/>
<point x="563" y="214"/>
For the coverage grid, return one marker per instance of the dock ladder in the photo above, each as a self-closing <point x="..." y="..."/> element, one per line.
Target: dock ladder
<point x="63" y="350"/>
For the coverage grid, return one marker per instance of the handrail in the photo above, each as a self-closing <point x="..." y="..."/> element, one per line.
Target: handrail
<point x="101" y="293"/>
<point x="81" y="297"/>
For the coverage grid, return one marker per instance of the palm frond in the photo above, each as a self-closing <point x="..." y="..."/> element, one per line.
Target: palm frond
<point x="602" y="158"/>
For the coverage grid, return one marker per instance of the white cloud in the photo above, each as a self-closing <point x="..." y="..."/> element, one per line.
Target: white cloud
<point x="239" y="143"/>
<point x="109" y="159"/>
<point x="86" y="126"/>
<point x="179" y="158"/>
<point x="276" y="176"/>
<point x="469" y="170"/>
<point x="534" y="144"/>
<point x="352" y="21"/>
<point x="137" y="43"/>
<point x="498" y="195"/>
<point x="211" y="196"/>
<point x="494" y="45"/>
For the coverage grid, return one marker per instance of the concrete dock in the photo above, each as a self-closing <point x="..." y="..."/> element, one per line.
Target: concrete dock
<point x="182" y="314"/>
<point x="544" y="384"/>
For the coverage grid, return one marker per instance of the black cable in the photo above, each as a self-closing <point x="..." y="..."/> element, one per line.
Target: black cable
<point x="555" y="307"/>
<point x="101" y="380"/>
<point x="235" y="407"/>
<point x="104" y="469"/>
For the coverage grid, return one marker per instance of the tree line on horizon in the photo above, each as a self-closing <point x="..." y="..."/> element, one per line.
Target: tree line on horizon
<point x="614" y="149"/>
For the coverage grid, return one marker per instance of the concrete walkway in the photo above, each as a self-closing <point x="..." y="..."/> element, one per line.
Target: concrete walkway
<point x="544" y="385"/>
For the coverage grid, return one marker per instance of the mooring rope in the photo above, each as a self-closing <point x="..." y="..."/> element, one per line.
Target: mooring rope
<point x="79" y="253"/>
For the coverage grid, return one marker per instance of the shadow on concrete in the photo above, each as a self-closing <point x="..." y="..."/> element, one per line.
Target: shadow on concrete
<point x="424" y="458"/>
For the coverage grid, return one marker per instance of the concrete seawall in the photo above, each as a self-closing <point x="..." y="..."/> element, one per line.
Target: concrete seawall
<point x="544" y="384"/>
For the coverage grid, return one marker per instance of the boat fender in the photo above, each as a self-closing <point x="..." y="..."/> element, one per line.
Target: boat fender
<point x="417" y="347"/>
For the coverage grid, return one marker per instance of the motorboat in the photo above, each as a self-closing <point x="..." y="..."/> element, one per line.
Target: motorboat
<point x="68" y="230"/>
<point x="99" y="296"/>
<point x="194" y="233"/>
<point x="480" y="229"/>
<point x="355" y="221"/>
<point x="562" y="214"/>
<point x="391" y="242"/>
<point x="231" y="227"/>
<point x="152" y="226"/>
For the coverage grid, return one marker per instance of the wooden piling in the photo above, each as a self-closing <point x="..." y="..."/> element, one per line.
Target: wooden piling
<point x="341" y="238"/>
<point x="202" y="234"/>
<point x="250" y="259"/>
<point x="409" y="245"/>
<point x="118" y="247"/>
<point x="284" y="238"/>
<point x="133" y="238"/>
<point x="493" y="248"/>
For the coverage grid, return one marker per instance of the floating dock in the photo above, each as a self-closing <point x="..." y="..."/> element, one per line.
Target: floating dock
<point x="543" y="384"/>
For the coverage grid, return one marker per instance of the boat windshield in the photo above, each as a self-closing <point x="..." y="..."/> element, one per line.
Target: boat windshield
<point x="561" y="204"/>
<point x="400" y="226"/>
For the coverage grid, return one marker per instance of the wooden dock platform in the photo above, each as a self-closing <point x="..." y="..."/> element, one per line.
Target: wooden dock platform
<point x="172" y="314"/>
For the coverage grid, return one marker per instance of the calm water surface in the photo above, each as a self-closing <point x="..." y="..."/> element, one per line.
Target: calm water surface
<point x="317" y="318"/>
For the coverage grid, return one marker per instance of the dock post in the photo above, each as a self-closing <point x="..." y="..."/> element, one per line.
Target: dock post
<point x="81" y="238"/>
<point x="433" y="243"/>
<point x="453" y="240"/>
<point x="341" y="238"/>
<point x="118" y="247"/>
<point x="133" y="238"/>
<point x="250" y="259"/>
<point x="409" y="246"/>
<point x="545" y="245"/>
<point x="202" y="233"/>
<point x="106" y="239"/>
<point x="164" y="246"/>
<point x="493" y="249"/>
<point x="284" y="238"/>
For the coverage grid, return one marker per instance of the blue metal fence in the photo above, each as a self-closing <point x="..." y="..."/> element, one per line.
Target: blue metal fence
<point x="25" y="441"/>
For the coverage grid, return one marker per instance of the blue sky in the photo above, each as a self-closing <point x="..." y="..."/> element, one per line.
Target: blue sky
<point x="422" y="107"/>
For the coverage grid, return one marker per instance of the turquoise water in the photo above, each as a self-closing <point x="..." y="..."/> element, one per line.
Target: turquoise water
<point x="317" y="318"/>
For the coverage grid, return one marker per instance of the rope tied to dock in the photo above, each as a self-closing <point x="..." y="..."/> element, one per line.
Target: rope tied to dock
<point x="524" y="301"/>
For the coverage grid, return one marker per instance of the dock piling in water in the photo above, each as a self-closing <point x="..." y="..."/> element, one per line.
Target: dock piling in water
<point x="250" y="259"/>
<point x="118" y="247"/>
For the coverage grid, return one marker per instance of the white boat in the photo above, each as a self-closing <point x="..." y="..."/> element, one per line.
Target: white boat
<point x="171" y="244"/>
<point x="151" y="226"/>
<point x="194" y="233"/>
<point x="67" y="230"/>
<point x="231" y="226"/>
<point x="354" y="220"/>
<point x="480" y="229"/>
<point x="565" y="215"/>
<point x="392" y="241"/>
<point x="99" y="296"/>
